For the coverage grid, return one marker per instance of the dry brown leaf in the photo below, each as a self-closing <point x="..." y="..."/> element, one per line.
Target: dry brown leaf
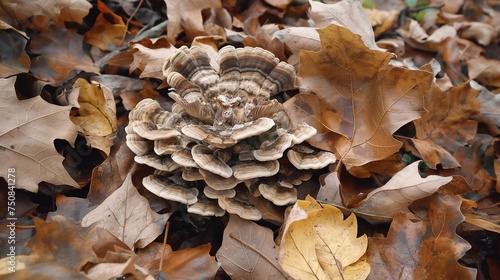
<point x="63" y="240"/>
<point x="14" y="59"/>
<point x="57" y="10"/>
<point x="349" y="14"/>
<point x="489" y="113"/>
<point x="366" y="99"/>
<point x="318" y="243"/>
<point x="429" y="248"/>
<point x="297" y="39"/>
<point x="478" y="218"/>
<point x="60" y="54"/>
<point x="186" y="16"/>
<point x="114" y="270"/>
<point x="484" y="70"/>
<point x="249" y="252"/>
<point x="96" y="117"/>
<point x="127" y="215"/>
<point x="447" y="124"/>
<point x="150" y="58"/>
<point x="28" y="130"/>
<point x="394" y="197"/>
<point x="108" y="30"/>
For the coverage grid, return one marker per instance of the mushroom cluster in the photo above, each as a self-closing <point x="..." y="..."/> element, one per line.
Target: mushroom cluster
<point x="225" y="137"/>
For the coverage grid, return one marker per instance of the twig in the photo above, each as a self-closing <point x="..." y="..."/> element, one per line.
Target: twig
<point x="130" y="18"/>
<point x="155" y="31"/>
<point x="167" y="226"/>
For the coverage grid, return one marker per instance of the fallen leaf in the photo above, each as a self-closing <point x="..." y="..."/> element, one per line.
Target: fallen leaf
<point x="484" y="70"/>
<point x="394" y="197"/>
<point x="367" y="99"/>
<point x="249" y="252"/>
<point x="186" y="16"/>
<point x="47" y="271"/>
<point x="349" y="14"/>
<point x="116" y="270"/>
<point x="28" y="130"/>
<point x="127" y="215"/>
<point x="489" y="113"/>
<point x="318" y="243"/>
<point x="60" y="54"/>
<point x="96" y="117"/>
<point x="14" y="59"/>
<point x="418" y="250"/>
<point x="107" y="31"/>
<point x="151" y="57"/>
<point x="64" y="241"/>
<point x="57" y="10"/>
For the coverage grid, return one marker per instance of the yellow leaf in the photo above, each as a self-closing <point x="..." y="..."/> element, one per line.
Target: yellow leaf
<point x="322" y="245"/>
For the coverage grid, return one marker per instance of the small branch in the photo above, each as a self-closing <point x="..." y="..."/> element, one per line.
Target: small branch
<point x="155" y="31"/>
<point x="130" y="18"/>
<point x="167" y="226"/>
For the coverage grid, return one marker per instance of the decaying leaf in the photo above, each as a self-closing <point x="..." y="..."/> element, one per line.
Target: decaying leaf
<point x="249" y="252"/>
<point x="96" y="117"/>
<point x="127" y="215"/>
<point x="150" y="57"/>
<point x="60" y="54"/>
<point x="14" y="59"/>
<point x="317" y="243"/>
<point x="28" y="130"/>
<point x="418" y="250"/>
<point x="394" y="197"/>
<point x="366" y="99"/>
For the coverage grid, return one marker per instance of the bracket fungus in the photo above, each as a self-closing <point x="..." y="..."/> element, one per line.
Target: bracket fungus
<point x="226" y="135"/>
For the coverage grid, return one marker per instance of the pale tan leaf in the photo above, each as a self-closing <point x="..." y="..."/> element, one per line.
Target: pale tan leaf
<point x="27" y="133"/>
<point x="127" y="215"/>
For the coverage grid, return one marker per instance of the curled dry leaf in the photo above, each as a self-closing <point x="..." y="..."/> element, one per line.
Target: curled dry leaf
<point x="14" y="59"/>
<point x="317" y="243"/>
<point x="428" y="247"/>
<point x="150" y="57"/>
<point x="24" y="144"/>
<point x="96" y="118"/>
<point x="249" y="252"/>
<point x="127" y="215"/>
<point x="364" y="100"/>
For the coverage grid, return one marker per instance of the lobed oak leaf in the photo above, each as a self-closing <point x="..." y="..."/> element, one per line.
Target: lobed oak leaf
<point x="64" y="241"/>
<point x="489" y="113"/>
<point x="318" y="243"/>
<point x="349" y="14"/>
<point x="447" y="126"/>
<point x="249" y="252"/>
<point x="150" y="57"/>
<point x="186" y="16"/>
<point x="127" y="215"/>
<point x="57" y="10"/>
<point x="96" y="117"/>
<point x="425" y="249"/>
<point x="60" y="54"/>
<point x="108" y="30"/>
<point x="366" y="99"/>
<point x="28" y="130"/>
<point x="398" y="193"/>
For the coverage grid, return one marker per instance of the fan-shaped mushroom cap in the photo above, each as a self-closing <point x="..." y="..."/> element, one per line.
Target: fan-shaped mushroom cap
<point x="274" y="150"/>
<point x="168" y="189"/>
<point x="215" y="194"/>
<point x="250" y="170"/>
<point x="218" y="182"/>
<point x="191" y="174"/>
<point x="158" y="162"/>
<point x="136" y="143"/>
<point x="184" y="158"/>
<point x="244" y="210"/>
<point x="310" y="161"/>
<point x="278" y="196"/>
<point x="167" y="146"/>
<point x="203" y="156"/>
<point x="206" y="208"/>
<point x="151" y="131"/>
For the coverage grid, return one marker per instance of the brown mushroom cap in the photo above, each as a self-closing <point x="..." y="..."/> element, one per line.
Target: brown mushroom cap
<point x="278" y="196"/>
<point x="274" y="150"/>
<point x="167" y="146"/>
<point x="206" y="208"/>
<point x="136" y="143"/>
<point x="244" y="210"/>
<point x="184" y="158"/>
<point x="191" y="174"/>
<point x="203" y="156"/>
<point x="218" y="182"/>
<point x="250" y="170"/>
<point x="168" y="189"/>
<point x="310" y="161"/>
<point x="149" y="130"/>
<point x="158" y="162"/>
<point x="215" y="194"/>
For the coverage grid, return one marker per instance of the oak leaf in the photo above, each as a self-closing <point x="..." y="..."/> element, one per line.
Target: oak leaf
<point x="28" y="130"/>
<point x="127" y="215"/>
<point x="186" y="16"/>
<point x="60" y="54"/>
<point x="150" y="56"/>
<point x="107" y="31"/>
<point x="447" y="125"/>
<point x="425" y="249"/>
<point x="96" y="118"/>
<point x="366" y="99"/>
<point x="14" y="59"/>
<point x="317" y="243"/>
<point x="57" y="10"/>
<point x="249" y="252"/>
<point x="489" y="113"/>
